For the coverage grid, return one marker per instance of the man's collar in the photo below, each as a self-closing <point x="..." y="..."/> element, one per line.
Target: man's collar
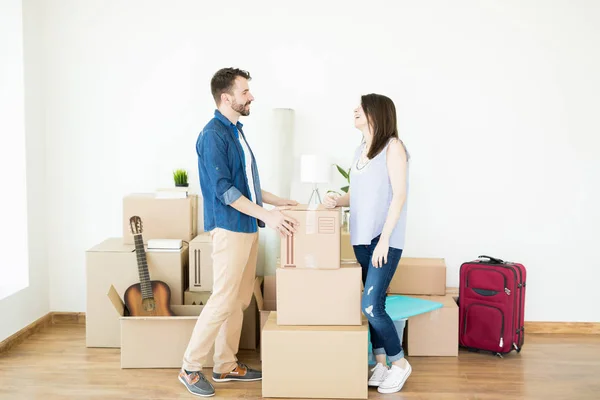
<point x="227" y="122"/>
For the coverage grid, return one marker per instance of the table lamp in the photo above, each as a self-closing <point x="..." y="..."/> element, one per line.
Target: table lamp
<point x="314" y="169"/>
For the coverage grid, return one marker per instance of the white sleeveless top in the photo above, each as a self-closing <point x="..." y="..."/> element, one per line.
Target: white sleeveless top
<point x="370" y="199"/>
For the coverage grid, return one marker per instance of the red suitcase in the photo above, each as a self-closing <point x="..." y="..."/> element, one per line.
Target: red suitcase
<point x="492" y="305"/>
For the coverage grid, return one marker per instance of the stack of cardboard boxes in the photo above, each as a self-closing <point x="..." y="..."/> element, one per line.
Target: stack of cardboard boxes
<point x="315" y="345"/>
<point x="430" y="334"/>
<point x="112" y="266"/>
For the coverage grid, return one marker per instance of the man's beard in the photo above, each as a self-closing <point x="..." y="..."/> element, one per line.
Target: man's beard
<point x="241" y="108"/>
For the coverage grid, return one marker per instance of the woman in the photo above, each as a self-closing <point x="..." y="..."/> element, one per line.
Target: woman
<point x="379" y="187"/>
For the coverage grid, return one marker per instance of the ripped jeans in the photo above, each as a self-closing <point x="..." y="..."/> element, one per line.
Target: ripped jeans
<point x="384" y="337"/>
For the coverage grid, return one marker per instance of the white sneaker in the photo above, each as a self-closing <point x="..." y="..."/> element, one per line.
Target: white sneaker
<point x="395" y="378"/>
<point x="379" y="373"/>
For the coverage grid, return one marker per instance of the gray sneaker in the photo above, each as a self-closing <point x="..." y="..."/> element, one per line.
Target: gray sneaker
<point x="240" y="373"/>
<point x="196" y="383"/>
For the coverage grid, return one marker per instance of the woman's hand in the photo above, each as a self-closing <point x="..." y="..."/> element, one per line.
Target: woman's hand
<point x="380" y="253"/>
<point x="331" y="200"/>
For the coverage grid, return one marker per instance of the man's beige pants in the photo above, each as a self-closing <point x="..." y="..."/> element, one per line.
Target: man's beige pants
<point x="234" y="258"/>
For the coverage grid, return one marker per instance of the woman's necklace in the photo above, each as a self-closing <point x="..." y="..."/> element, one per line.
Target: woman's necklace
<point x="363" y="160"/>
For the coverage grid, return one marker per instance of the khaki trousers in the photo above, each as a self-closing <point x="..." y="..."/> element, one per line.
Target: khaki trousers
<point x="234" y="258"/>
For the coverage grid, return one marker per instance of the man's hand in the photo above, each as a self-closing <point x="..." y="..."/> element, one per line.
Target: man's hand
<point x="280" y="222"/>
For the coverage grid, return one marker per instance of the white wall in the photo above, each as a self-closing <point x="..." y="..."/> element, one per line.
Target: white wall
<point x="497" y="103"/>
<point x="31" y="303"/>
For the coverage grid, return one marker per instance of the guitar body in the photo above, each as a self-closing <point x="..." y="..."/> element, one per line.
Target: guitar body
<point x="155" y="306"/>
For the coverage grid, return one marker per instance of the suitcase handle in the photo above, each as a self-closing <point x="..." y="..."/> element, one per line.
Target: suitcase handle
<point x="493" y="259"/>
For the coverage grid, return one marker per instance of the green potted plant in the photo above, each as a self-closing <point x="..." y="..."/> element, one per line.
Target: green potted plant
<point x="180" y="177"/>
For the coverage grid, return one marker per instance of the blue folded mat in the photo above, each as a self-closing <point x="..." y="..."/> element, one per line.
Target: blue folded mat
<point x="403" y="307"/>
<point x="400" y="308"/>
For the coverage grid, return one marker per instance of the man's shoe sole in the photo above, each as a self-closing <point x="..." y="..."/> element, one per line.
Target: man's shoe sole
<point x="195" y="394"/>
<point x="395" y="389"/>
<point x="236" y="379"/>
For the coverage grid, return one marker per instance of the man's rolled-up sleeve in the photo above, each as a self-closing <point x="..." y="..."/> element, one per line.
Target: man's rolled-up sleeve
<point x="213" y="153"/>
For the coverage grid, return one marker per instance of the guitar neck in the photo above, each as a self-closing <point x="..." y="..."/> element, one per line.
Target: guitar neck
<point x="143" y="267"/>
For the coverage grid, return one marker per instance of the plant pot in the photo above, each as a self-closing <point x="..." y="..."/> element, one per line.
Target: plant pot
<point x="181" y="184"/>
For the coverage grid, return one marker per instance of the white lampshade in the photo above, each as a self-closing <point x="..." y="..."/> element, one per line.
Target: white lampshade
<point x="314" y="169"/>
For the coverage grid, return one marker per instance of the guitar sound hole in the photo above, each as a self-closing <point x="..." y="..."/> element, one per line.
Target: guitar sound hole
<point x="149" y="305"/>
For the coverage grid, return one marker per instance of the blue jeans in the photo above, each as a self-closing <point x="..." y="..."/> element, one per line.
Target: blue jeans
<point x="384" y="337"/>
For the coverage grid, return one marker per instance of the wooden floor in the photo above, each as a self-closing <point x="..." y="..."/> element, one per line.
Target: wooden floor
<point x="55" y="364"/>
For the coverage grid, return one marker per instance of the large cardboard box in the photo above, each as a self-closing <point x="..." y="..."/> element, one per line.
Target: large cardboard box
<point x="291" y="354"/>
<point x="155" y="342"/>
<point x="316" y="242"/>
<point x="319" y="296"/>
<point x="113" y="263"/>
<point x="161" y="218"/>
<point x="249" y="336"/>
<point x="420" y="276"/>
<point x="201" y="267"/>
<point x="434" y="333"/>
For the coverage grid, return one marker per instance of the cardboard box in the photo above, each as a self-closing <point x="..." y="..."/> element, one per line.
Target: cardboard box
<point x="249" y="336"/>
<point x="434" y="333"/>
<point x="155" y="342"/>
<point x="316" y="243"/>
<point x="318" y="296"/>
<point x="161" y="218"/>
<point x="201" y="266"/>
<point x="420" y="276"/>
<point x="291" y="354"/>
<point x="347" y="251"/>
<point x="113" y="263"/>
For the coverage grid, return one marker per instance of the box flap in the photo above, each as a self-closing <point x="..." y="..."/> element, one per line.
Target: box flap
<point x="116" y="301"/>
<point x="258" y="294"/>
<point x="113" y="245"/>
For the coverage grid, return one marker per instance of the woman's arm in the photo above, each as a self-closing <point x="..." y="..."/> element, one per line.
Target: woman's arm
<point x="344" y="201"/>
<point x="396" y="165"/>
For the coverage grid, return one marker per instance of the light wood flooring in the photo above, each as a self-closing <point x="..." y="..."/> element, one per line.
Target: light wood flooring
<point x="55" y="364"/>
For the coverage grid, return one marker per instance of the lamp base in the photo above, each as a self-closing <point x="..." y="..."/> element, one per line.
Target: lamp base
<point x="316" y="196"/>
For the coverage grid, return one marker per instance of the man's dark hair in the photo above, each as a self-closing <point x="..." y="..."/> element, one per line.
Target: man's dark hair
<point x="222" y="81"/>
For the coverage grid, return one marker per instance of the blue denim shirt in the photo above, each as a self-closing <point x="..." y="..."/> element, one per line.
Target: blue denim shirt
<point x="222" y="172"/>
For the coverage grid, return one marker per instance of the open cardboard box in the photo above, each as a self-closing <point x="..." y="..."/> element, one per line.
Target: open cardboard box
<point x="111" y="262"/>
<point x="156" y="342"/>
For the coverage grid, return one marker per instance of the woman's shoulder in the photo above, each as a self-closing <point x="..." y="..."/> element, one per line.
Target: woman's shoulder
<point x="396" y="147"/>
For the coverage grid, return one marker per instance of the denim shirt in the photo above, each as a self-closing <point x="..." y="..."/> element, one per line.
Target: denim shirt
<point x="222" y="172"/>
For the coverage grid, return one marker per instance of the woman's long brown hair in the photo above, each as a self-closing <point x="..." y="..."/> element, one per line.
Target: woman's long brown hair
<point x="381" y="115"/>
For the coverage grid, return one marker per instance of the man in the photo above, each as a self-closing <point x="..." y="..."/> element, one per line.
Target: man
<point x="233" y="211"/>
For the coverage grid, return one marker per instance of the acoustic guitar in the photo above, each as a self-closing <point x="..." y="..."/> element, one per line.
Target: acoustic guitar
<point x="147" y="298"/>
